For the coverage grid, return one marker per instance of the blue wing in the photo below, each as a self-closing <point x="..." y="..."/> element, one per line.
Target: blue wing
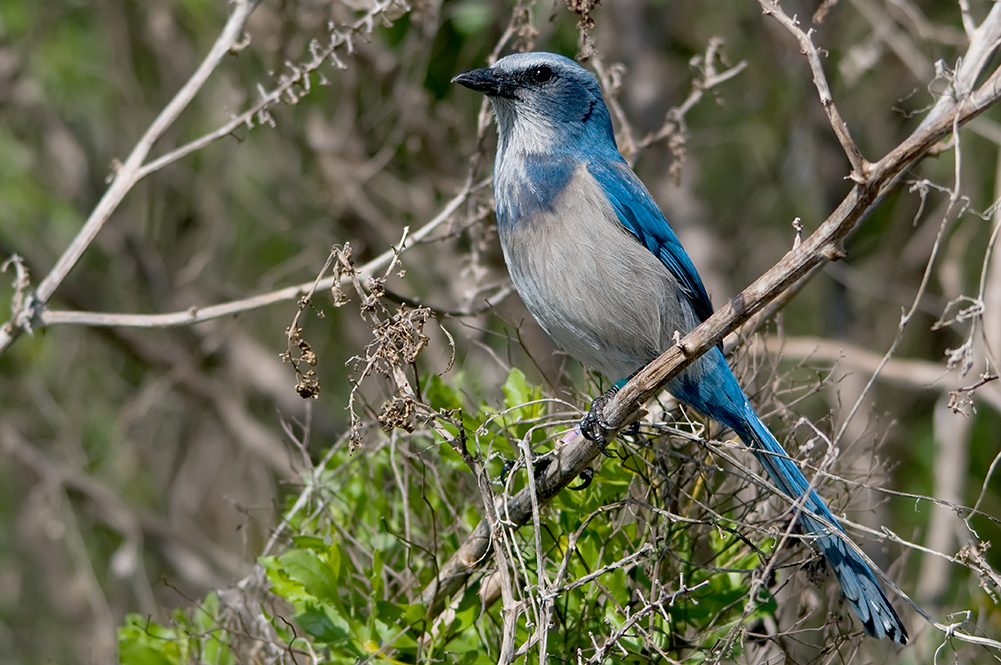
<point x="638" y="212"/>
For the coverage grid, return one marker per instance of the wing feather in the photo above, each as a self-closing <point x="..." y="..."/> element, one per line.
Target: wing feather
<point x="638" y="212"/>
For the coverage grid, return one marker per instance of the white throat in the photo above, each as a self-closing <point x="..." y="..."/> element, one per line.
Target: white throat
<point x="521" y="129"/>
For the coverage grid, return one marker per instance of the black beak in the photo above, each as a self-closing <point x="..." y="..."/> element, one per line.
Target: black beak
<point x="490" y="82"/>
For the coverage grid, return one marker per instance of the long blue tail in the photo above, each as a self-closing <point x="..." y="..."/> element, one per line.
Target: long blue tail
<point x="710" y="387"/>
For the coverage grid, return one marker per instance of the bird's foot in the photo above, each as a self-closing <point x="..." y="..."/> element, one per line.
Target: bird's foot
<point x="539" y="465"/>
<point x="593" y="425"/>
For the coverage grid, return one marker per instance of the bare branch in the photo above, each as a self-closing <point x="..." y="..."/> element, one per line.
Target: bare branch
<point x="199" y="314"/>
<point x="134" y="169"/>
<point x="805" y="39"/>
<point x="128" y="173"/>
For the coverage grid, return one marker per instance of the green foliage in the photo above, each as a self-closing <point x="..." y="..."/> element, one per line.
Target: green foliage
<point x="348" y="573"/>
<point x="193" y="636"/>
<point x="335" y="606"/>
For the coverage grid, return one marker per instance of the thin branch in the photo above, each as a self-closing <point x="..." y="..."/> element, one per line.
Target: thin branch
<point x="674" y="127"/>
<point x="900" y="42"/>
<point x="805" y="39"/>
<point x="198" y="314"/>
<point x="674" y="122"/>
<point x="984" y="41"/>
<point x="134" y="169"/>
<point x="911" y="374"/>
<point x="128" y="173"/>
<point x="905" y="317"/>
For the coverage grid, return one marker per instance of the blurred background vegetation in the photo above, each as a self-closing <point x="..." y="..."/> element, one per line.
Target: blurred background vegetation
<point x="144" y="469"/>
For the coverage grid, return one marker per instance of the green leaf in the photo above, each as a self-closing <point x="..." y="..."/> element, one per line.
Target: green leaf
<point x="389" y="612"/>
<point x="310" y="543"/>
<point x="517" y="391"/>
<point x="376" y="577"/>
<point x="324" y="625"/>
<point x="315" y="575"/>
<point x="467" y="612"/>
<point x="400" y="614"/>
<point x="440" y="395"/>
<point x="132" y="653"/>
<point x="205" y="616"/>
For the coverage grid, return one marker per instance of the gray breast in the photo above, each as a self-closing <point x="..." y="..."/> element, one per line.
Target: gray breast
<point x="598" y="292"/>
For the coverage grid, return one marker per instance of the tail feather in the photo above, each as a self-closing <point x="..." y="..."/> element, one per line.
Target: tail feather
<point x="857" y="580"/>
<point x="712" y="389"/>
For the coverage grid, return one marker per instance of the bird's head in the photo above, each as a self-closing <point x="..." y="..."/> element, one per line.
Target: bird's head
<point x="545" y="103"/>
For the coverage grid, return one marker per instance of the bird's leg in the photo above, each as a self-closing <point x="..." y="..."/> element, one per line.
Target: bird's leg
<point x="593" y="425"/>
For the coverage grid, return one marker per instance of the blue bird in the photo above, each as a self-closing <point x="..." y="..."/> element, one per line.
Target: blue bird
<point x="603" y="273"/>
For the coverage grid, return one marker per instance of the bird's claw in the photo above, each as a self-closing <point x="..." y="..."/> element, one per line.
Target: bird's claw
<point x="586" y="476"/>
<point x="593" y="425"/>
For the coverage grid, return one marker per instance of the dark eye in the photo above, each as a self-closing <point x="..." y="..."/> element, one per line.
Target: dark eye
<point x="540" y="75"/>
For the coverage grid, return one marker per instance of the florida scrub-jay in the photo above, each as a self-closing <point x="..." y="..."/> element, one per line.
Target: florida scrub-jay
<point x="603" y="273"/>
